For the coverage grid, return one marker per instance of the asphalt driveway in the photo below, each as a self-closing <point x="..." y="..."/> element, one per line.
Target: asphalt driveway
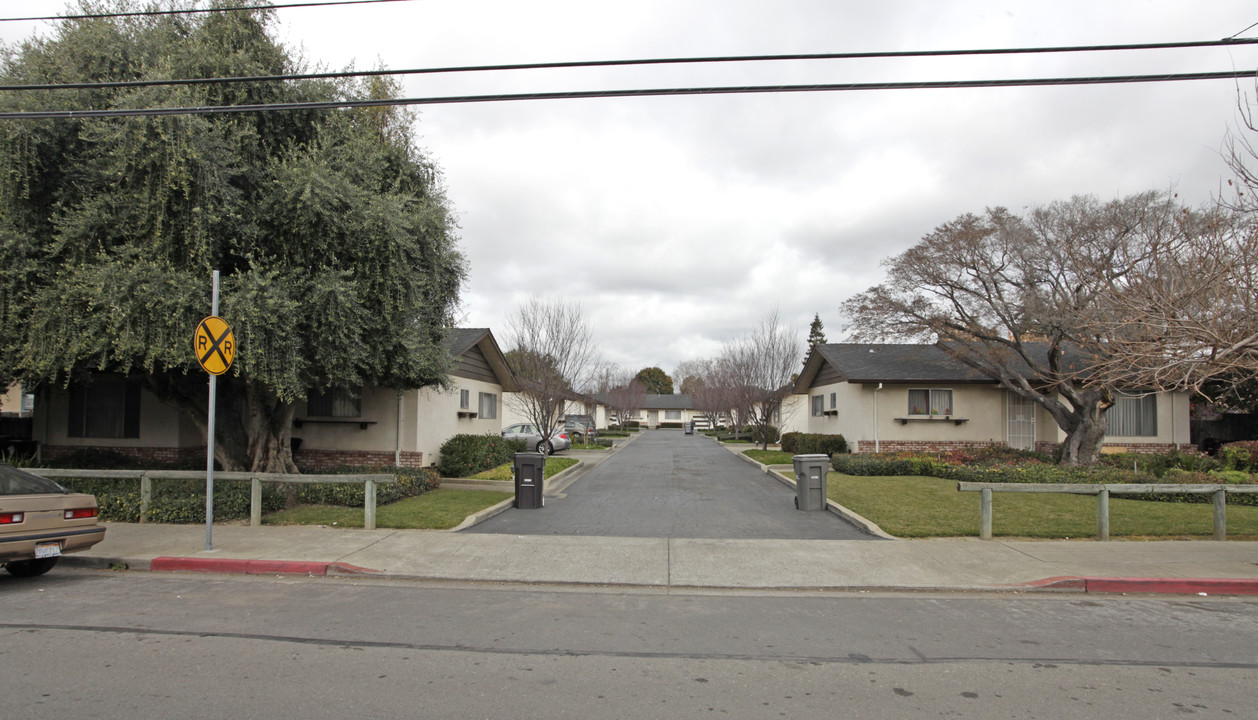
<point x="666" y="484"/>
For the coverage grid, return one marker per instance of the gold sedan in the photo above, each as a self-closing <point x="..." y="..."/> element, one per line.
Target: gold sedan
<point x="40" y="521"/>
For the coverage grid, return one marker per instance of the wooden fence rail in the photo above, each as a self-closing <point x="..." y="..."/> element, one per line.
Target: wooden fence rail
<point x="1102" y="493"/>
<point x="147" y="477"/>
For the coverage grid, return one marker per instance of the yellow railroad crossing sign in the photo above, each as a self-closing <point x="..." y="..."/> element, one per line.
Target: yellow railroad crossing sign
<point x="214" y="344"/>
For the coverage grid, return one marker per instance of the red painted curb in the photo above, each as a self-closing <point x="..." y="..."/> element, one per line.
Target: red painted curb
<point x="229" y="565"/>
<point x="1169" y="586"/>
<point x="1180" y="586"/>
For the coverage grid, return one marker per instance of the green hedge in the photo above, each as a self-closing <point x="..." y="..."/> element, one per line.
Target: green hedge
<point x="175" y="501"/>
<point x="813" y="444"/>
<point x="1011" y="466"/>
<point x="466" y="455"/>
<point x="183" y="501"/>
<point x="670" y="426"/>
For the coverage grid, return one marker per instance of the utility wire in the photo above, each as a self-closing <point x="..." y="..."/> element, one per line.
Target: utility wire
<point x="622" y="63"/>
<point x="193" y="11"/>
<point x="658" y="92"/>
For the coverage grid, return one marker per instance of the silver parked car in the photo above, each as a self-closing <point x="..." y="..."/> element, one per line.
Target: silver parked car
<point x="558" y="442"/>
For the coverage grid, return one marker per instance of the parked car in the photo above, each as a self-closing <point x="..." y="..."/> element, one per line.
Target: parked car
<point x="558" y="442"/>
<point x="582" y="426"/>
<point x="40" y="521"/>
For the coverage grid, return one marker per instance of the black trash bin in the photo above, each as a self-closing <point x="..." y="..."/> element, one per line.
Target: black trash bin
<point x="810" y="481"/>
<point x="530" y="480"/>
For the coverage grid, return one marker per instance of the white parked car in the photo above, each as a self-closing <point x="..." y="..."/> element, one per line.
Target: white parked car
<point x="558" y="442"/>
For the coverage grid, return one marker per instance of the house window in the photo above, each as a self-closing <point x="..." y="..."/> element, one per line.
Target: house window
<point x="930" y="402"/>
<point x="672" y="414"/>
<point x="834" y="401"/>
<point x="818" y="405"/>
<point x="336" y="402"/>
<point x="488" y="406"/>
<point x="1133" y="416"/>
<point x="106" y="407"/>
<point x="465" y="399"/>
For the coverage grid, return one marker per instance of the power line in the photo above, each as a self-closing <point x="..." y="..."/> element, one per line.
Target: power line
<point x="194" y="11"/>
<point x="622" y="63"/>
<point x="657" y="92"/>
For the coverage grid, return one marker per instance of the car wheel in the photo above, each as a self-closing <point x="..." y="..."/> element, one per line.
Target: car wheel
<point x="30" y="568"/>
<point x="544" y="447"/>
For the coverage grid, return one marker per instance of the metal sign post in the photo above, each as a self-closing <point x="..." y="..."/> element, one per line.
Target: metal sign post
<point x="215" y="347"/>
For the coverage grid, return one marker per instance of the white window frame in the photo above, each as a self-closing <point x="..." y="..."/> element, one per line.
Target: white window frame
<point x="818" y="405"/>
<point x="488" y="406"/>
<point x="937" y="403"/>
<point x="465" y="399"/>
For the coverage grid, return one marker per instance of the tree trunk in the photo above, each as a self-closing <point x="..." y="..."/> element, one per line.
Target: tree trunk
<point x="1083" y="442"/>
<point x="253" y="428"/>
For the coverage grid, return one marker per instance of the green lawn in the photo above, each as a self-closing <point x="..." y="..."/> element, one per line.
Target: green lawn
<point x="770" y="457"/>
<point x="554" y="466"/>
<point x="440" y="509"/>
<point x="914" y="507"/>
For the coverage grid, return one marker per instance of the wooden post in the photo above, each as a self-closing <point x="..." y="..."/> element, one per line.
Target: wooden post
<point x="985" y="514"/>
<point x="146" y="495"/>
<point x="1102" y="514"/>
<point x="255" y="501"/>
<point x="1220" y="514"/>
<point x="369" y="505"/>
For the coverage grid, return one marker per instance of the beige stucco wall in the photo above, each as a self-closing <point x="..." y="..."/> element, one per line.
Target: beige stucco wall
<point x="161" y="426"/>
<point x="439" y="420"/>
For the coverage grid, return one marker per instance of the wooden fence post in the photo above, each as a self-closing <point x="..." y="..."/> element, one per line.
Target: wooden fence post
<point x="1102" y="514"/>
<point x="255" y="501"/>
<point x="985" y="514"/>
<point x="369" y="505"/>
<point x="146" y="495"/>
<point x="1220" y="514"/>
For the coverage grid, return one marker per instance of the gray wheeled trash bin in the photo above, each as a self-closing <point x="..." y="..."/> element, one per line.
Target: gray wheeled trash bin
<point x="690" y="428"/>
<point x="530" y="480"/>
<point x="810" y="481"/>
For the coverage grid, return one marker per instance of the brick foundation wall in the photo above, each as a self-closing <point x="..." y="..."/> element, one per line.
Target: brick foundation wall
<point x="310" y="460"/>
<point x="307" y="460"/>
<point x="867" y="446"/>
<point x="920" y="446"/>
<point x="162" y="455"/>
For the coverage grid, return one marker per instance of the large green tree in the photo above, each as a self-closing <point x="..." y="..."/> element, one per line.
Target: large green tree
<point x="335" y="241"/>
<point x="654" y="380"/>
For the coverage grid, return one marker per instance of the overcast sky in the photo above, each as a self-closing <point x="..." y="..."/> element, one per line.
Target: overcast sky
<point x="678" y="222"/>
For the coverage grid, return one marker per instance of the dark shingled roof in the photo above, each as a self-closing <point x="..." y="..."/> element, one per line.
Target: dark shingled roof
<point x="460" y="340"/>
<point x="863" y="363"/>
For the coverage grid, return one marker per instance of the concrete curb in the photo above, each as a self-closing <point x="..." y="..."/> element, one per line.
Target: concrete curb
<point x="256" y="567"/>
<point x="489" y="512"/>
<point x="863" y="524"/>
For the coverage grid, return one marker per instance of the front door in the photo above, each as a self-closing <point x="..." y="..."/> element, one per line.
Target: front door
<point x="1021" y="425"/>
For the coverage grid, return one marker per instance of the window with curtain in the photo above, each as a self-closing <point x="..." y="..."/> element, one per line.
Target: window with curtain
<point x="488" y="406"/>
<point x="672" y="414"/>
<point x="107" y="406"/>
<point x="818" y="405"/>
<point x="336" y="402"/>
<point x="930" y="402"/>
<point x="1132" y="416"/>
<point x="465" y="399"/>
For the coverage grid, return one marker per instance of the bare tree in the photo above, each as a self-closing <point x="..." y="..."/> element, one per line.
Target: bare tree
<point x="1042" y="305"/>
<point x="553" y="352"/>
<point x="626" y="399"/>
<point x="758" y="370"/>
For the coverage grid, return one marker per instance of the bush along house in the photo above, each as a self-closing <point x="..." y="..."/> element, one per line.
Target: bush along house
<point x="893" y="397"/>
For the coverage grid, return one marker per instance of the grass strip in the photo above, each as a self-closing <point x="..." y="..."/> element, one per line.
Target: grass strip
<point x="923" y="507"/>
<point x="439" y="509"/>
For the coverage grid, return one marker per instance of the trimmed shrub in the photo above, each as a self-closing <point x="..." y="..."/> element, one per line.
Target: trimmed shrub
<point x="813" y="444"/>
<point x="1241" y="455"/>
<point x="466" y="455"/>
<point x="410" y="482"/>
<point x="670" y="426"/>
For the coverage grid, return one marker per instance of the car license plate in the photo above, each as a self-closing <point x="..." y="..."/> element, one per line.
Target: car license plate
<point x="47" y="550"/>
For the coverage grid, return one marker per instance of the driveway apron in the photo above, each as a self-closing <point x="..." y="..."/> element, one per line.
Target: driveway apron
<point x="666" y="484"/>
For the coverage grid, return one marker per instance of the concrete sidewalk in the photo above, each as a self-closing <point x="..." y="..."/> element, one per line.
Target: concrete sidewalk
<point x="914" y="565"/>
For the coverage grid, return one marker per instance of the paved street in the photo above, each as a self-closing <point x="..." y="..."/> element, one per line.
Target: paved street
<point x="153" y="645"/>
<point x="666" y="484"/>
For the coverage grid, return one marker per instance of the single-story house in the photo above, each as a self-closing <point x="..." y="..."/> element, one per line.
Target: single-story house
<point x="667" y="410"/>
<point x="363" y="426"/>
<point x="574" y="403"/>
<point x="888" y="397"/>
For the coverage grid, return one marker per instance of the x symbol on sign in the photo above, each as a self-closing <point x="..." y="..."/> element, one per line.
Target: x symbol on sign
<point x="216" y="344"/>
